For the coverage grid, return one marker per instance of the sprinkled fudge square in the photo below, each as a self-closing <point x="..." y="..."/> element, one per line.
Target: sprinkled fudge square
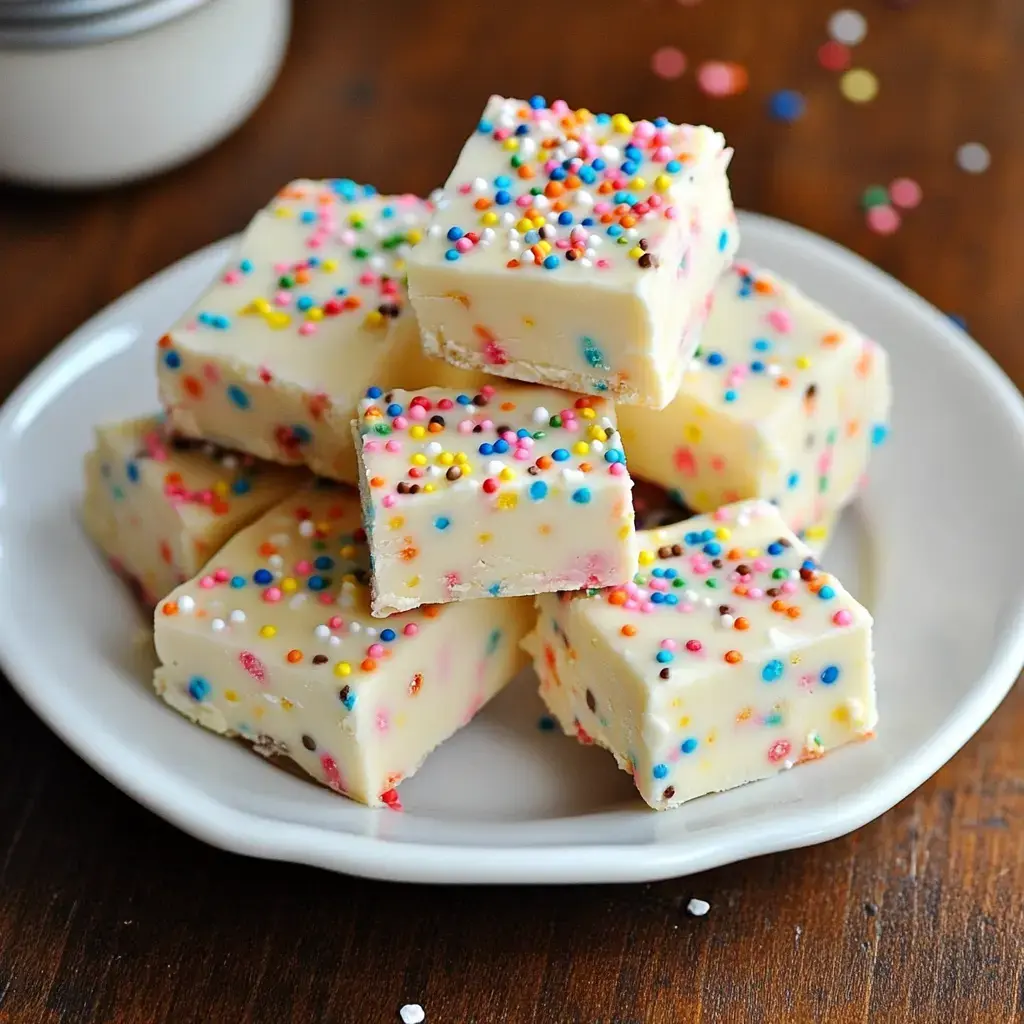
<point x="274" y="643"/>
<point x="514" y="490"/>
<point x="730" y="657"/>
<point x="161" y="506"/>
<point x="784" y="401"/>
<point x="576" y="249"/>
<point x="310" y="310"/>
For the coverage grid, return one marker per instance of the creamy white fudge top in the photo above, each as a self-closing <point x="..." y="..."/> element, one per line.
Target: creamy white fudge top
<point x="312" y="296"/>
<point x="551" y="189"/>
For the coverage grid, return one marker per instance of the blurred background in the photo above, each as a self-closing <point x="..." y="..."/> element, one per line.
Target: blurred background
<point x="133" y="133"/>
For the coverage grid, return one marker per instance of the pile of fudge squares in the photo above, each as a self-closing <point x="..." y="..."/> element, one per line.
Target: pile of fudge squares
<point x="396" y="460"/>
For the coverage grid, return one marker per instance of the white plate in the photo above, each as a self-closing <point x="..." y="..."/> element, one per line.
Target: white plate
<point x="933" y="547"/>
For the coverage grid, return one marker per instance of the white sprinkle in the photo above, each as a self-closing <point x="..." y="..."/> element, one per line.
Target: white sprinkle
<point x="698" y="908"/>
<point x="237" y="616"/>
<point x="584" y="198"/>
<point x="726" y="621"/>
<point x="541" y="415"/>
<point x="848" y="27"/>
<point x="436" y="196"/>
<point x="217" y="625"/>
<point x="434" y="448"/>
<point x="586" y="263"/>
<point x="513" y="247"/>
<point x="434" y="230"/>
<point x="298" y="601"/>
<point x="527" y="256"/>
<point x="434" y="470"/>
<point x="371" y="632"/>
<point x="495" y="466"/>
<point x="973" y="157"/>
<point x="335" y="641"/>
<point x="412" y="1013"/>
<point x="307" y="528"/>
<point x="487" y="236"/>
<point x="611" y="153"/>
<point x="355" y="627"/>
<point x="186" y="604"/>
<point x="594" y="241"/>
<point x="528" y="147"/>
<point x="541" y="202"/>
<point x="229" y="462"/>
<point x="507" y="219"/>
<point x="597" y="446"/>
<point x="480" y="185"/>
<point x="322" y="632"/>
<point x="377" y="263"/>
<point x="275" y="561"/>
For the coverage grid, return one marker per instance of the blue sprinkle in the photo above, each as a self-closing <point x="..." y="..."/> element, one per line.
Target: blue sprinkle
<point x="628" y="167"/>
<point x="757" y="366"/>
<point x="660" y="771"/>
<point x="613" y="455"/>
<point x="715" y="359"/>
<point x="772" y="671"/>
<point x="565" y="217"/>
<point x="374" y="392"/>
<point x="502" y="197"/>
<point x="633" y="153"/>
<point x="775" y="548"/>
<point x="350" y="700"/>
<point x="304" y="303"/>
<point x="706" y="535"/>
<point x="522" y="432"/>
<point x="198" y="688"/>
<point x="241" y="486"/>
<point x="692" y="537"/>
<point x="538" y="490"/>
<point x="307" y="216"/>
<point x="773" y="719"/>
<point x="387" y="212"/>
<point x="538" y="102"/>
<point x="484" y="127"/>
<point x="829" y="674"/>
<point x="454" y="234"/>
<point x="730" y="395"/>
<point x="794" y="479"/>
<point x="238" y="396"/>
<point x="317" y="582"/>
<point x="786" y="105"/>
<point x="486" y="448"/>
<point x="688" y="746"/>
<point x="237" y="582"/>
<point x="494" y="589"/>
<point x="551" y="262"/>
<point x="713" y="549"/>
<point x="560" y="455"/>
<point x="673" y="166"/>
<point x="132" y="471"/>
<point x="387" y="635"/>
<point x="245" y="266"/>
<point x="262" y="576"/>
<point x="500" y="446"/>
<point x="451" y="255"/>
<point x="614" y="230"/>
<point x="762" y="345"/>
<point x="587" y="222"/>
<point x="826" y="593"/>
<point x="464" y="400"/>
<point x="172" y="360"/>
<point x="502" y="181"/>
<point x="531" y="237"/>
<point x="587" y="176"/>
<point x="879" y="432"/>
<point x="558" y="174"/>
<point x="324" y="562"/>
<point x="664" y="657"/>
<point x="582" y="496"/>
<point x="671" y="599"/>
<point x="660" y="122"/>
<point x="522" y="129"/>
<point x="394" y="409"/>
<point x="658" y="573"/>
<point x="442" y="523"/>
<point x="657" y="597"/>
<point x="598" y="164"/>
<point x="671" y="574"/>
<point x="723" y="241"/>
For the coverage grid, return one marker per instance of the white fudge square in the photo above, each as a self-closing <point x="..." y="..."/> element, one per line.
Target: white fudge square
<point x="160" y="506"/>
<point x="576" y="249"/>
<point x="730" y="657"/>
<point x="310" y="310"/>
<point x="785" y="401"/>
<point x="274" y="643"/>
<point x="510" y="491"/>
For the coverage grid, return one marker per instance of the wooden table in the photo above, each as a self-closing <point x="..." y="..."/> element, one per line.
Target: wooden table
<point x="108" y="914"/>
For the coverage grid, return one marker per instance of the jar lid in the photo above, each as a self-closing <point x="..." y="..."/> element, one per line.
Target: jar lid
<point x="44" y="24"/>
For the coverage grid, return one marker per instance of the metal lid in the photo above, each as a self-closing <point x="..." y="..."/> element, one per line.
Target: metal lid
<point x="45" y="24"/>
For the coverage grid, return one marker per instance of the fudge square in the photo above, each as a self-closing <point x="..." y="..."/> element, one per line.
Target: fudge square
<point x="576" y="249"/>
<point x="273" y="642"/>
<point x="310" y="310"/>
<point x="514" y="490"/>
<point x="784" y="401"/>
<point x="160" y="506"/>
<point x="730" y="657"/>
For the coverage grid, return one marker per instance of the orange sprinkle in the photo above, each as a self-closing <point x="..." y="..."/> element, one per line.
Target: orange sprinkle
<point x="628" y="221"/>
<point x="831" y="339"/>
<point x="585" y="467"/>
<point x="617" y="597"/>
<point x="553" y="189"/>
<point x="572" y="181"/>
<point x="744" y="714"/>
<point x="778" y="606"/>
<point x="434" y="428"/>
<point x="508" y="406"/>
<point x="482" y="203"/>
<point x="544" y="462"/>
<point x="764" y="287"/>
<point x="302" y="277"/>
<point x="538" y="253"/>
<point x="741" y="623"/>
<point x="219" y="507"/>
<point x="431" y="611"/>
<point x="525" y="171"/>
<point x="294" y="656"/>
<point x="604" y="188"/>
<point x="734" y="555"/>
<point x="266" y="548"/>
<point x="740" y="590"/>
<point x="628" y="630"/>
<point x="733" y="657"/>
<point x="783" y="382"/>
<point x="352" y="302"/>
<point x="173" y="479"/>
<point x="170" y="608"/>
<point x="793" y="612"/>
<point x="193" y="385"/>
<point x="165" y="341"/>
<point x="512" y="264"/>
<point x="376" y="481"/>
<point x="559" y="205"/>
<point x="368" y="665"/>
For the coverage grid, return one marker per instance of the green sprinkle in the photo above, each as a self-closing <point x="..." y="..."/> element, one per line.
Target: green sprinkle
<point x="875" y="195"/>
<point x="822" y="484"/>
<point x="677" y="582"/>
<point x="780" y="574"/>
<point x="361" y="252"/>
<point x="555" y="421"/>
<point x="712" y="583"/>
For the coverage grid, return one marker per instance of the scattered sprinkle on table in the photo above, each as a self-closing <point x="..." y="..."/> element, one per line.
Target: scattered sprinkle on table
<point x="848" y="27"/>
<point x="721" y="78"/>
<point x="874" y="195"/>
<point x="883" y="220"/>
<point x="668" y="62"/>
<point x="833" y="56"/>
<point x="697" y="908"/>
<point x="905" y="193"/>
<point x="973" y="157"/>
<point x="412" y="1013"/>
<point x="786" y="105"/>
<point x="859" y="85"/>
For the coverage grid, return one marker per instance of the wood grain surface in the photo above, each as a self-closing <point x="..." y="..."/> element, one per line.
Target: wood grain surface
<point x="108" y="914"/>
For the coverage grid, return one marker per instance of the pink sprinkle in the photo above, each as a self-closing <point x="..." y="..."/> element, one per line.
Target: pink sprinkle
<point x="212" y="373"/>
<point x="487" y="424"/>
<point x="720" y="515"/>
<point x="522" y="455"/>
<point x="693" y="645"/>
<point x="781" y="320"/>
<point x="905" y="192"/>
<point x="303" y="566"/>
<point x="487" y="390"/>
<point x="399" y="423"/>
<point x="666" y="62"/>
<point x="465" y="427"/>
<point x="348" y="237"/>
<point x="617" y="469"/>
<point x="324" y="597"/>
<point x="207" y="583"/>
<point x="411" y="629"/>
<point x="524" y="201"/>
<point x="465" y="189"/>
<point x="222" y="575"/>
<point x="842" y="617"/>
<point x="788" y="587"/>
<point x="392" y="446"/>
<point x="715" y="78"/>
<point x="335" y="622"/>
<point x="669" y="645"/>
<point x="671" y="213"/>
<point x="375" y="651"/>
<point x="367" y="278"/>
<point x="883" y="220"/>
<point x="281" y="268"/>
<point x="232" y="277"/>
<point x="631" y="605"/>
<point x="282" y="298"/>
<point x="662" y="155"/>
<point x="272" y="595"/>
<point x="388" y="501"/>
<point x="253" y="666"/>
<point x="647" y="607"/>
<point x="307" y="328"/>
<point x="644" y="129"/>
<point x="463" y="244"/>
<point x="761" y="564"/>
<point x="417" y="413"/>
<point x="755" y="593"/>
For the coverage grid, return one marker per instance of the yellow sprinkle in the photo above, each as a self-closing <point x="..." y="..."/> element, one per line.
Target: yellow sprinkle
<point x="545" y="247"/>
<point x="329" y="266"/>
<point x="635" y="253"/>
<point x="348" y="551"/>
<point x="538" y="222"/>
<point x="356" y="220"/>
<point x="859" y="85"/>
<point x="278" y="321"/>
<point x="374" y="318"/>
<point x="231" y="696"/>
<point x="414" y="236"/>
<point x="753" y="552"/>
<point x="315" y="313"/>
<point x="489" y="218"/>
<point x="621" y="123"/>
<point x="684" y="721"/>
<point x="723" y="533"/>
<point x="412" y="581"/>
<point x="625" y="530"/>
<point x="446" y="458"/>
<point x="597" y="433"/>
<point x="692" y="433"/>
<point x="419" y="459"/>
<point x="508" y="500"/>
<point x="523" y="225"/>
<point x="803" y="362"/>
<point x="220" y="488"/>
<point x="816" y="532"/>
<point x="261" y="305"/>
<point x="461" y="458"/>
<point x="638" y="182"/>
<point x="485" y="538"/>
<point x="588" y="414"/>
<point x="286" y="704"/>
<point x="662" y="183"/>
<point x="396" y="522"/>
<point x="268" y="631"/>
<point x="581" y="448"/>
<point x="417" y="432"/>
<point x="646" y="557"/>
<point x="467" y="469"/>
<point x="289" y="584"/>
<point x="342" y="668"/>
<point x="428" y="488"/>
<point x="283" y="211"/>
<point x="841" y="714"/>
<point x="507" y="474"/>
<point x="511" y="144"/>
